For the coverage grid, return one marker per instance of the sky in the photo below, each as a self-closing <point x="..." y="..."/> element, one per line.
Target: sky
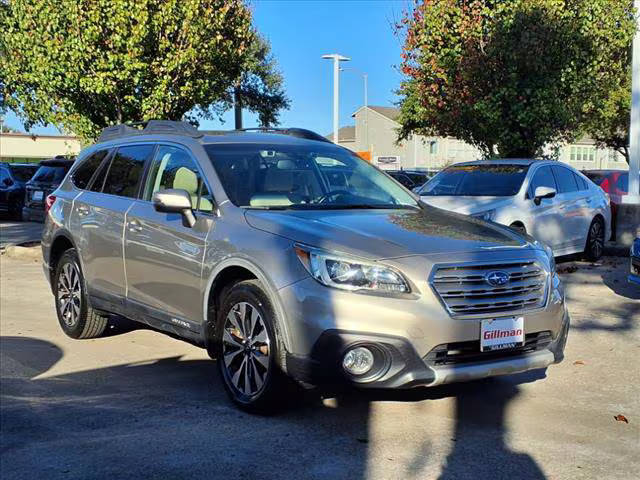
<point x="300" y="32"/>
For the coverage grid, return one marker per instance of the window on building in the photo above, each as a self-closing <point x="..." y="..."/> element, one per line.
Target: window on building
<point x="573" y="154"/>
<point x="433" y="147"/>
<point x="126" y="170"/>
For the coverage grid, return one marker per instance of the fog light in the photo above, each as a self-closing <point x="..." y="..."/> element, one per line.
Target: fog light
<point x="358" y="361"/>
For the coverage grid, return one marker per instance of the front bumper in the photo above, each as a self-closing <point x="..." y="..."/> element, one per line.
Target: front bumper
<point x="401" y="367"/>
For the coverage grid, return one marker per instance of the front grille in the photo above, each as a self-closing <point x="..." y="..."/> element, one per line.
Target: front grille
<point x="469" y="352"/>
<point x="465" y="290"/>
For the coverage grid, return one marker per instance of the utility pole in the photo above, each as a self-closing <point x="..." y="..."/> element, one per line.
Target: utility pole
<point x="337" y="58"/>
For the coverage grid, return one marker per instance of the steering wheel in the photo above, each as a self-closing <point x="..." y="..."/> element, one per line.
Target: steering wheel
<point x="328" y="195"/>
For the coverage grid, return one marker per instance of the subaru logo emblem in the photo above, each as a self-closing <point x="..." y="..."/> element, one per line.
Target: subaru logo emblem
<point x="496" y="278"/>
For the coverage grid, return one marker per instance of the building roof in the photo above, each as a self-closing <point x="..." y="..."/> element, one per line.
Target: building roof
<point x="345" y="134"/>
<point x="391" y="113"/>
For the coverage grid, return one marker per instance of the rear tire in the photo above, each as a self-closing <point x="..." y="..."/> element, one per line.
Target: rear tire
<point x="76" y="317"/>
<point x="595" y="240"/>
<point x="247" y="347"/>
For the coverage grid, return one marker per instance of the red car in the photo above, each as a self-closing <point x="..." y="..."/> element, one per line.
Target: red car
<point x="615" y="183"/>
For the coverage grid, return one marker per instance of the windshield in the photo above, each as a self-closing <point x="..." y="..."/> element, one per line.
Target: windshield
<point x="496" y="180"/>
<point x="23" y="173"/>
<point x="303" y="177"/>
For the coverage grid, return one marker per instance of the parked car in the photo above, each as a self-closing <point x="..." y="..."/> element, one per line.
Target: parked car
<point x="13" y="177"/>
<point x="411" y="178"/>
<point x="44" y="181"/>
<point x="634" y="276"/>
<point x="549" y="200"/>
<point x="249" y="244"/>
<point x="615" y="183"/>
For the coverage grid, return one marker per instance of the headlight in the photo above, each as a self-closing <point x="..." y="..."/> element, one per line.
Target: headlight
<point x="487" y="215"/>
<point x="349" y="274"/>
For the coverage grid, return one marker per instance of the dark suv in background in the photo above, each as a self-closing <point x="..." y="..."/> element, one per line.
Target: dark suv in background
<point x="48" y="177"/>
<point x="13" y="177"/>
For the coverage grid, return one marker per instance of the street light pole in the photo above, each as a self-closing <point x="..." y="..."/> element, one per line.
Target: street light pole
<point x="634" y="128"/>
<point x="365" y="77"/>
<point x="337" y="58"/>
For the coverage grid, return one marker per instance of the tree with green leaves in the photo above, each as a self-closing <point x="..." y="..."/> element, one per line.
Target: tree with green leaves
<point x="85" y="64"/>
<point x="608" y="121"/>
<point x="510" y="76"/>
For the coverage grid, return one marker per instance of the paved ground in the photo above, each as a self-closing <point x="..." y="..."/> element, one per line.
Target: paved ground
<point x="138" y="404"/>
<point x="16" y="233"/>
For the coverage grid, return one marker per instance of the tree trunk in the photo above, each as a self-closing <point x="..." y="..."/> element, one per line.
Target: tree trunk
<point x="237" y="107"/>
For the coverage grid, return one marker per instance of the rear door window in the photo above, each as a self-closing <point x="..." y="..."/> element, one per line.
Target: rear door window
<point x="126" y="170"/>
<point x="565" y="180"/>
<point x="83" y="174"/>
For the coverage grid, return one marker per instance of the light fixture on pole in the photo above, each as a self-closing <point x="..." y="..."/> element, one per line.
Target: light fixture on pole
<point x="337" y="58"/>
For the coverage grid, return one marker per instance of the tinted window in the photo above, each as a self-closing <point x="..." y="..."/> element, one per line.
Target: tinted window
<point x="582" y="184"/>
<point x="174" y="168"/>
<point x="403" y="179"/>
<point x="318" y="176"/>
<point x="623" y="182"/>
<point x="565" y="179"/>
<point x="82" y="175"/>
<point x="23" y="173"/>
<point x="542" y="178"/>
<point x="596" y="177"/>
<point x="50" y="174"/>
<point x="498" y="180"/>
<point x="126" y="169"/>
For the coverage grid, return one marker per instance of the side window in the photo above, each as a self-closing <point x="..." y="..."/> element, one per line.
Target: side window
<point x="542" y="178"/>
<point x="582" y="185"/>
<point x="172" y="167"/>
<point x="126" y="170"/>
<point x="83" y="174"/>
<point x="565" y="180"/>
<point x="623" y="182"/>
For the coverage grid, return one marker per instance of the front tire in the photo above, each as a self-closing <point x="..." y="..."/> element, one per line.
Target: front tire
<point x="247" y="347"/>
<point x="76" y="317"/>
<point x="595" y="240"/>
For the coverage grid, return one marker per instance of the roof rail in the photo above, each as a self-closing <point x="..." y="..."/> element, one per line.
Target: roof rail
<point x="149" y="127"/>
<point x="294" y="132"/>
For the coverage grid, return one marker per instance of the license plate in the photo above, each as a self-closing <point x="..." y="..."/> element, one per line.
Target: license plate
<point x="501" y="333"/>
<point x="37" y="195"/>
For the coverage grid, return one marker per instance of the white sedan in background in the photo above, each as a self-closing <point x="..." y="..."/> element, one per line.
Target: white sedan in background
<point x="549" y="200"/>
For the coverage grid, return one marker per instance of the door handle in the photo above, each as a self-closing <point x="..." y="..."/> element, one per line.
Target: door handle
<point x="82" y="210"/>
<point x="134" y="226"/>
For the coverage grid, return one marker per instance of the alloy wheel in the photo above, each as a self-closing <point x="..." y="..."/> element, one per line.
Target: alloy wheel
<point x="596" y="239"/>
<point x="246" y="349"/>
<point x="69" y="294"/>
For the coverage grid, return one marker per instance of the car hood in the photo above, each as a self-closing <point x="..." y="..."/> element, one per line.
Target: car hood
<point x="379" y="234"/>
<point x="466" y="205"/>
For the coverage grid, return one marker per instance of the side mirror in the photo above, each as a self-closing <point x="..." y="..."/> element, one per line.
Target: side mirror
<point x="543" y="192"/>
<point x="174" y="200"/>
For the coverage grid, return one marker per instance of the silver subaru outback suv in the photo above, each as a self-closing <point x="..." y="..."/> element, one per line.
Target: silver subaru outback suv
<point x="288" y="256"/>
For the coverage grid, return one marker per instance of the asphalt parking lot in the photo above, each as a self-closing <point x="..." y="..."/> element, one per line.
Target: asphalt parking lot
<point x="139" y="404"/>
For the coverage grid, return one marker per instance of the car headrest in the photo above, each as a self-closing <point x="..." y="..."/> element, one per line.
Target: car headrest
<point x="186" y="180"/>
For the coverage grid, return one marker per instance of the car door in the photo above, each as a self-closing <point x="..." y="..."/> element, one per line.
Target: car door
<point x="5" y="184"/>
<point x="163" y="256"/>
<point x="97" y="220"/>
<point x="545" y="221"/>
<point x="569" y="203"/>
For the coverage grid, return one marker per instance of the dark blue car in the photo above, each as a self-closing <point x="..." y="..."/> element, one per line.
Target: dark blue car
<point x="13" y="177"/>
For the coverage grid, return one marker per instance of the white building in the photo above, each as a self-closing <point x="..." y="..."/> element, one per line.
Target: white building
<point x="25" y="147"/>
<point x="376" y="129"/>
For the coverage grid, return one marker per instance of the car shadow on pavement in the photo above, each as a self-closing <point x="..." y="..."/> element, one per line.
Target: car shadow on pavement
<point x="170" y="418"/>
